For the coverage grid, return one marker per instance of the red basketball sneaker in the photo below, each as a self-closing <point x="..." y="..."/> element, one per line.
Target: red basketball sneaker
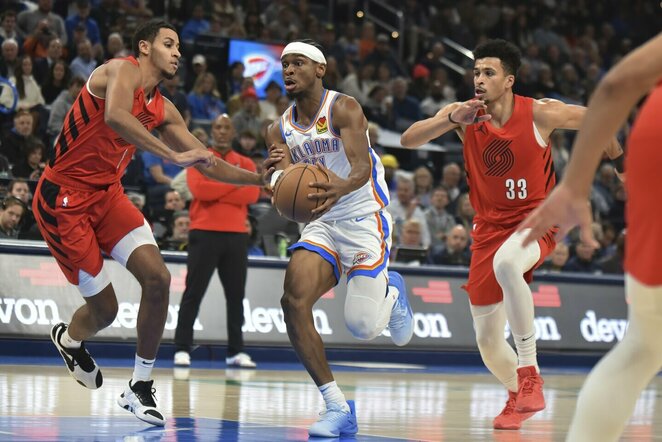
<point x="509" y="418"/>
<point x="529" y="393"/>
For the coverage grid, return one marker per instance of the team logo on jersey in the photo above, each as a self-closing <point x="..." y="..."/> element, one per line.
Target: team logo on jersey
<point x="498" y="157"/>
<point x="361" y="257"/>
<point x="65" y="201"/>
<point x="321" y="125"/>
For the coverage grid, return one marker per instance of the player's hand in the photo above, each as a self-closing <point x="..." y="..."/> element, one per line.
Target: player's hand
<point x="195" y="156"/>
<point x="268" y="164"/>
<point x="620" y="176"/>
<point x="331" y="191"/>
<point x="565" y="209"/>
<point x="467" y="112"/>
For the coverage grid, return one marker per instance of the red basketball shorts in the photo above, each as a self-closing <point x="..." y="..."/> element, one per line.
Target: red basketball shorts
<point x="78" y="223"/>
<point x="482" y="286"/>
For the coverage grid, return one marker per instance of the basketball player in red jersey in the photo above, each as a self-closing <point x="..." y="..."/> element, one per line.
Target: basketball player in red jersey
<point x="509" y="167"/>
<point x="81" y="209"/>
<point x="611" y="390"/>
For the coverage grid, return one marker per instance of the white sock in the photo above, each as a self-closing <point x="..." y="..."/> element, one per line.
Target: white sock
<point x="142" y="369"/>
<point x="68" y="342"/>
<point x="526" y="350"/>
<point x="332" y="395"/>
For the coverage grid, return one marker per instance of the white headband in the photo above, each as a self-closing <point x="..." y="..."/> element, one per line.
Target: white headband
<point x="304" y="49"/>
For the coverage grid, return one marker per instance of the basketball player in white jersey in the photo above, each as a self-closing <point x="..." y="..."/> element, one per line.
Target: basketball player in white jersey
<point x="352" y="233"/>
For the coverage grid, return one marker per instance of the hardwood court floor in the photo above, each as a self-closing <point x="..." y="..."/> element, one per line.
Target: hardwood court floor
<point x="41" y="402"/>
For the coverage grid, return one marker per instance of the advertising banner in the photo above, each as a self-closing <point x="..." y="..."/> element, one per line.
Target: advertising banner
<point x="574" y="314"/>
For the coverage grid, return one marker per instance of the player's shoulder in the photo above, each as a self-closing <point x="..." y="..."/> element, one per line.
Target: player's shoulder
<point x="346" y="104"/>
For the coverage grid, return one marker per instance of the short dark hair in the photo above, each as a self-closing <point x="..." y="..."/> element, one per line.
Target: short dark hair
<point x="508" y="53"/>
<point x="148" y="32"/>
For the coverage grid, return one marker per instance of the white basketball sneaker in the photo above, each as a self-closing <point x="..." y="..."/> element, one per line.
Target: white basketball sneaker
<point x="182" y="359"/>
<point x="80" y="364"/>
<point x="240" y="360"/>
<point x="139" y="399"/>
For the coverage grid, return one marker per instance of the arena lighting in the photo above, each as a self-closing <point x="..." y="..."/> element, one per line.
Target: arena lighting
<point x="359" y="14"/>
<point x="395" y="34"/>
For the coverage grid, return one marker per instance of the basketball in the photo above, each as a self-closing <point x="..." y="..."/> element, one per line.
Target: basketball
<point x="292" y="189"/>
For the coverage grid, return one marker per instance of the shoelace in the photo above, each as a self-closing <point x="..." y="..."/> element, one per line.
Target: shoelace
<point x="333" y="414"/>
<point x="528" y="384"/>
<point x="510" y="406"/>
<point x="82" y="357"/>
<point x="145" y="392"/>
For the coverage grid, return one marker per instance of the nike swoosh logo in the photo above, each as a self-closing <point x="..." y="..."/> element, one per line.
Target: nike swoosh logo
<point x="358" y="220"/>
<point x="287" y="134"/>
<point x="527" y="338"/>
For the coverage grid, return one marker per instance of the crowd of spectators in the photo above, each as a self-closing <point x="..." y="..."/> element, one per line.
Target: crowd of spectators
<point x="50" y="48"/>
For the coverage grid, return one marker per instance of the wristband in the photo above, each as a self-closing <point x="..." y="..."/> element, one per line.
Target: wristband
<point x="451" y="120"/>
<point x="274" y="178"/>
<point x="619" y="163"/>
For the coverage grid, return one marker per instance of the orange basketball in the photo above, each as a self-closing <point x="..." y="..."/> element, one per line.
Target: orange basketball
<point x="292" y="189"/>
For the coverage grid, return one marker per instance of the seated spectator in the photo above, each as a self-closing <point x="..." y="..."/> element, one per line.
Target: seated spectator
<point x="455" y="251"/>
<point x="204" y="101"/>
<point x="8" y="28"/>
<point x="16" y="140"/>
<point x="43" y="18"/>
<point x="268" y="108"/>
<point x="373" y="137"/>
<point x="583" y="261"/>
<point x="43" y="66"/>
<point x="9" y="58"/>
<point x="57" y="80"/>
<point x="438" y="219"/>
<point x="391" y="166"/>
<point x="451" y="175"/>
<point x="359" y="83"/>
<point x="137" y="199"/>
<point x="180" y="227"/>
<point x="247" y="144"/>
<point x="158" y="174"/>
<point x="195" y="25"/>
<point x="410" y="239"/>
<point x="82" y="18"/>
<point x="254" y="247"/>
<point x="465" y="212"/>
<point x="19" y="188"/>
<point x="248" y="116"/>
<point x="557" y="259"/>
<point x="423" y="185"/>
<point x="5" y="168"/>
<point x="61" y="106"/>
<point x="174" y="201"/>
<point x="30" y="166"/>
<point x="404" y="207"/>
<point x="376" y="108"/>
<point x="115" y="47"/>
<point x="170" y="89"/>
<point x="29" y="91"/>
<point x="613" y="263"/>
<point x="11" y="213"/>
<point x="84" y="63"/>
<point x="36" y="43"/>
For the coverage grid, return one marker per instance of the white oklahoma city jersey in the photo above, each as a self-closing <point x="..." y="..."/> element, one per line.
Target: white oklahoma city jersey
<point x="320" y="143"/>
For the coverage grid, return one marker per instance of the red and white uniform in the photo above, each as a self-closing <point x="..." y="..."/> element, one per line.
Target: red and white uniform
<point x="79" y="204"/>
<point x="643" y="248"/>
<point x="509" y="174"/>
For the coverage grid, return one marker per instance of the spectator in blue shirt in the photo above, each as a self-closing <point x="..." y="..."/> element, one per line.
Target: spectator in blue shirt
<point x="204" y="101"/>
<point x="83" y="17"/>
<point x="158" y="174"/>
<point x="195" y="25"/>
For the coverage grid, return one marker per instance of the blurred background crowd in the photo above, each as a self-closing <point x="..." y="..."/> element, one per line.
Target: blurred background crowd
<point x="403" y="61"/>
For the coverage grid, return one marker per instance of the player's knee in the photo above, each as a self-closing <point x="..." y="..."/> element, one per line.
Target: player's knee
<point x="292" y="305"/>
<point x="156" y="284"/>
<point x="361" y="327"/>
<point x="504" y="268"/>
<point x="486" y="341"/>
<point x="106" y="313"/>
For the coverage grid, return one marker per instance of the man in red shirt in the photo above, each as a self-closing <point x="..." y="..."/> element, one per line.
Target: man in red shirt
<point x="218" y="240"/>
<point x="81" y="210"/>
<point x="509" y="168"/>
<point x="608" y="397"/>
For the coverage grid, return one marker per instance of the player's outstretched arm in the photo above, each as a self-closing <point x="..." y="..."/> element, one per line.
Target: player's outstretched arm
<point x="608" y="109"/>
<point x="450" y="117"/>
<point x="123" y="78"/>
<point x="176" y="134"/>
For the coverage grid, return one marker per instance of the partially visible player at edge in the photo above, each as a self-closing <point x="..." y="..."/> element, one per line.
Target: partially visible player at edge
<point x="611" y="390"/>
<point x="81" y="209"/>
<point x="351" y="234"/>
<point x="509" y="167"/>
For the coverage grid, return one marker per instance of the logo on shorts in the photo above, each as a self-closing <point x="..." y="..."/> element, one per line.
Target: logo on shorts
<point x="65" y="201"/>
<point x="361" y="257"/>
<point x="321" y="125"/>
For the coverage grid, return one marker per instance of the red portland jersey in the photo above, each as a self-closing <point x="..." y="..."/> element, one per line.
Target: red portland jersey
<point x="88" y="150"/>
<point x="508" y="171"/>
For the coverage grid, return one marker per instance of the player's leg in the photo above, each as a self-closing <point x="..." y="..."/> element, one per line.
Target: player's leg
<point x="232" y="269"/>
<point x="204" y="249"/>
<point x="511" y="262"/>
<point x="72" y="242"/>
<point x="125" y="233"/>
<point x="608" y="396"/>
<point x="375" y="296"/>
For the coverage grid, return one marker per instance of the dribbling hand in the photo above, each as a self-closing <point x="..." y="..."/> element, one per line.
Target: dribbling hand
<point x="275" y="155"/>
<point x="467" y="112"/>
